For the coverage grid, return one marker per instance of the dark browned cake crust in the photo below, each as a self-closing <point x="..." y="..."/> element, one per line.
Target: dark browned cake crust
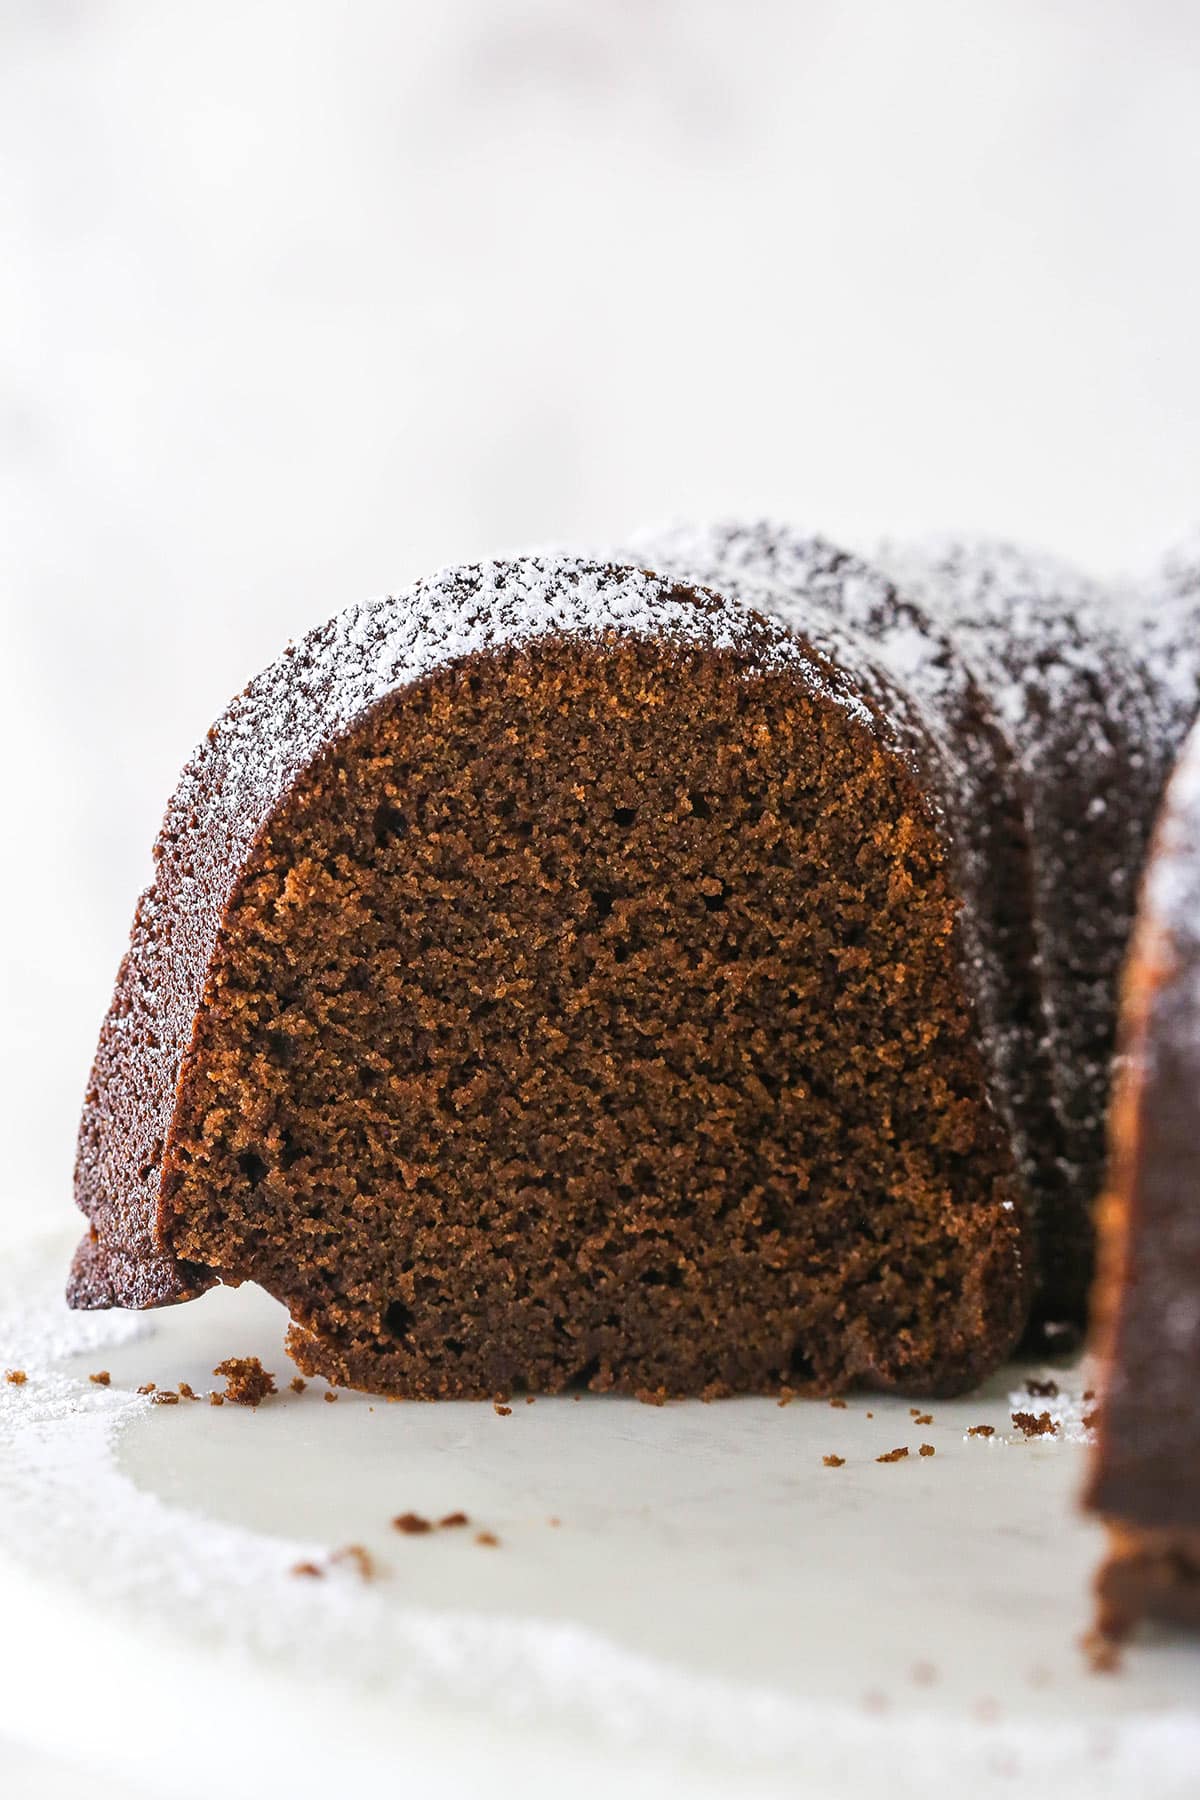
<point x="558" y="976"/>
<point x="1087" y="696"/>
<point x="1145" y="1477"/>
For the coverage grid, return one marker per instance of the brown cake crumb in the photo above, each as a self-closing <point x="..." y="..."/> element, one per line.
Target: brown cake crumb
<point x="16" y="1377"/>
<point x="247" y="1383"/>
<point x="981" y="1431"/>
<point x="148" y="1387"/>
<point x="486" y="1537"/>
<point x="164" y="1397"/>
<point x="529" y="1399"/>
<point x="1089" y="1393"/>
<point x="216" y="1399"/>
<point x="1091" y="1420"/>
<point x="453" y="1519"/>
<point x="187" y="1392"/>
<point x="102" y="1378"/>
<point x="914" y="1412"/>
<point x="838" y="1402"/>
<point x="331" y="1395"/>
<point x="411" y="1524"/>
<point x="308" y="1568"/>
<point x="360" y="1558"/>
<point x="1042" y="1390"/>
<point x="503" y="1411"/>
<point x="554" y="1521"/>
<point x="1102" y="1652"/>
<point x="897" y="1455"/>
<point x="926" y="1450"/>
<point x="923" y="1418"/>
<point x="870" y="1415"/>
<point x="297" y="1384"/>
<point x="1035" y="1425"/>
<point x="833" y="1462"/>
<point x="651" y="1396"/>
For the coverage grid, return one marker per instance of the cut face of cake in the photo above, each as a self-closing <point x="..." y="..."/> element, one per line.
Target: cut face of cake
<point x="1145" y="1478"/>
<point x="561" y="974"/>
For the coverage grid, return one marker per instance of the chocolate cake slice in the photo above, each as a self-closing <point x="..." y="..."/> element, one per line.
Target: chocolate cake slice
<point x="1145" y="1477"/>
<point x="563" y="974"/>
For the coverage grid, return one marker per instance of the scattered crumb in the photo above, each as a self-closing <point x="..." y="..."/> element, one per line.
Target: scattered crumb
<point x="914" y="1412"/>
<point x="1041" y="1425"/>
<point x="870" y="1415"/>
<point x="486" y="1537"/>
<point x="102" y="1378"/>
<point x="360" y="1558"/>
<point x="216" y="1399"/>
<point x="833" y="1462"/>
<point x="651" y="1396"/>
<point x="838" y="1402"/>
<point x="1089" y="1394"/>
<point x="187" y="1392"/>
<point x="308" y="1568"/>
<point x="164" y="1397"/>
<point x="577" y="1396"/>
<point x="147" y="1387"/>
<point x="297" y="1384"/>
<point x="529" y="1399"/>
<point x="924" y="1674"/>
<point x="923" y="1418"/>
<point x="894" y="1455"/>
<point x="331" y="1395"/>
<point x="15" y="1377"/>
<point x="1091" y="1420"/>
<point x="247" y="1383"/>
<point x="453" y="1519"/>
<point x="554" y="1521"/>
<point x="411" y="1524"/>
<point x="981" y="1431"/>
<point x="785" y="1399"/>
<point x="502" y="1411"/>
<point x="1042" y="1390"/>
<point x="1102" y="1653"/>
<point x="926" y="1450"/>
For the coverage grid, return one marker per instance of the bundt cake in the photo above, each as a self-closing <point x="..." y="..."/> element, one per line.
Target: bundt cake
<point x="568" y="974"/>
<point x="1145" y="1478"/>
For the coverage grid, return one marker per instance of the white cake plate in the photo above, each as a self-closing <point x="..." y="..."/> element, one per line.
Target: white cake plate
<point x="683" y="1600"/>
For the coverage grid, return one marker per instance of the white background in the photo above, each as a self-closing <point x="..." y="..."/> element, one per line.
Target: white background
<point x="298" y="300"/>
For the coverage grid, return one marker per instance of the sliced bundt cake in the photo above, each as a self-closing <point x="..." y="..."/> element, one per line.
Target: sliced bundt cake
<point x="565" y="974"/>
<point x="1145" y="1477"/>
